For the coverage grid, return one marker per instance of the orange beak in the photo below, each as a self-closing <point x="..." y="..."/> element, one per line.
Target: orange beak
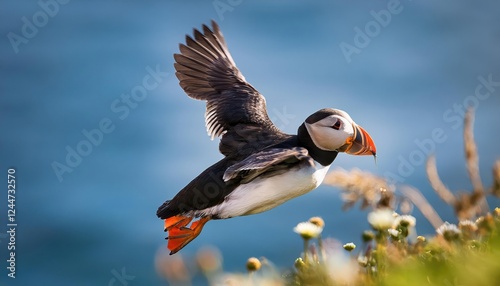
<point x="361" y="143"/>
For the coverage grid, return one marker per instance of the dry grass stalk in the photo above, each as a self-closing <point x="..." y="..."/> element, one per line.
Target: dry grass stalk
<point x="357" y="185"/>
<point x="436" y="183"/>
<point x="423" y="205"/>
<point x="495" y="188"/>
<point x="373" y="191"/>
<point x="467" y="205"/>
<point x="472" y="161"/>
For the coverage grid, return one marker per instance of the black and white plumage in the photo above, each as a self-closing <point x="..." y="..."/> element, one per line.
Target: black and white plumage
<point x="263" y="167"/>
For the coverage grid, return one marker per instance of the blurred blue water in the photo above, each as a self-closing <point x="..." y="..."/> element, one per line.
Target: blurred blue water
<point x="72" y="72"/>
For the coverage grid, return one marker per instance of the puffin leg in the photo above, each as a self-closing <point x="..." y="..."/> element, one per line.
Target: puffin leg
<point x="180" y="236"/>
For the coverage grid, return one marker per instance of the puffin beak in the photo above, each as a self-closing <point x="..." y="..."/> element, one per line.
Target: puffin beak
<point x="360" y="143"/>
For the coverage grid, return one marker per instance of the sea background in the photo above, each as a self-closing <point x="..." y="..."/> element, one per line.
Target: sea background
<point x="413" y="77"/>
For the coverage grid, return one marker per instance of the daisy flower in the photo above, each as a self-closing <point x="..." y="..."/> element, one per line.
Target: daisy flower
<point x="381" y="219"/>
<point x="449" y="231"/>
<point x="405" y="221"/>
<point x="308" y="230"/>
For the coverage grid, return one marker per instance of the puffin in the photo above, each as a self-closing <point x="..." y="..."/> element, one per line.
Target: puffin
<point x="262" y="166"/>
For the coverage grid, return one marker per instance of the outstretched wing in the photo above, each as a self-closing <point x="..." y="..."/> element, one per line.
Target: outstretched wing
<point x="206" y="71"/>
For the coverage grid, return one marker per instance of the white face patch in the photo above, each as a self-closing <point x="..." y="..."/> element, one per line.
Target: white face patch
<point x="331" y="133"/>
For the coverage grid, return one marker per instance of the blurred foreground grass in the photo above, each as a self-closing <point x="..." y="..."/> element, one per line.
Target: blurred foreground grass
<point x="465" y="253"/>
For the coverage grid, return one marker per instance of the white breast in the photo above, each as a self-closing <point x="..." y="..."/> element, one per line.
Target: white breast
<point x="263" y="194"/>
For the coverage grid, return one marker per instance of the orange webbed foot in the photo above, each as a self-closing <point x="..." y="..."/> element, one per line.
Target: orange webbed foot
<point x="179" y="235"/>
<point x="177" y="221"/>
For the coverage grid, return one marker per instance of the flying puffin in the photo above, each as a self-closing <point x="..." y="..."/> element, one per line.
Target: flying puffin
<point x="262" y="166"/>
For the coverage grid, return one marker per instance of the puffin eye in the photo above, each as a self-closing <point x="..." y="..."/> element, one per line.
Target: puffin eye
<point x="336" y="126"/>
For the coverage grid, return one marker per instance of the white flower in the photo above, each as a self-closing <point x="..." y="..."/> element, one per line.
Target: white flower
<point x="468" y="229"/>
<point x="393" y="232"/>
<point x="381" y="219"/>
<point x="467" y="224"/>
<point x="405" y="220"/>
<point x="308" y="230"/>
<point x="448" y="231"/>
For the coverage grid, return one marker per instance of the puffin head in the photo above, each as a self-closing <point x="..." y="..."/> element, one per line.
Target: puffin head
<point x="334" y="130"/>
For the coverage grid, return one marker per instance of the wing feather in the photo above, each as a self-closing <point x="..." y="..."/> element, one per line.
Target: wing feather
<point x="206" y="71"/>
<point x="269" y="160"/>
